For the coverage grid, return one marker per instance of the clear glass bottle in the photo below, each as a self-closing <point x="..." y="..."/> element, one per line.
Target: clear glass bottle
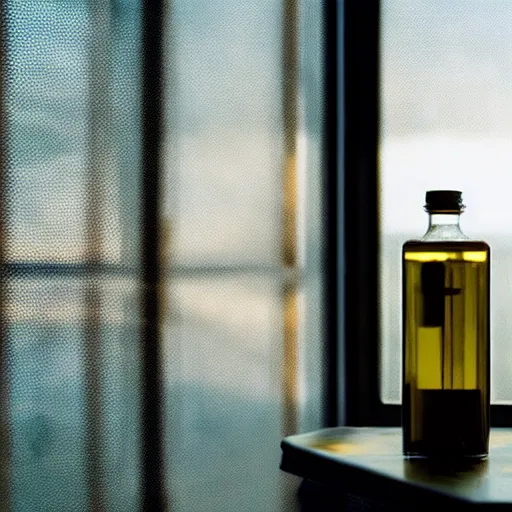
<point x="446" y="339"/>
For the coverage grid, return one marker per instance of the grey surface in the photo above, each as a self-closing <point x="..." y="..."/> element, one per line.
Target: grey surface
<point x="371" y="461"/>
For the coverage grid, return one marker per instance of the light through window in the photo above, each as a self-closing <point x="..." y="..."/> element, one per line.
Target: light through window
<point x="446" y="122"/>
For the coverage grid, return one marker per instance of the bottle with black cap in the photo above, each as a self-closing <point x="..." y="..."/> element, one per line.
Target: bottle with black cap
<point x="446" y="341"/>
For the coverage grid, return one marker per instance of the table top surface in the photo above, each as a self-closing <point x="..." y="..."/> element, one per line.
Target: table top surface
<point x="371" y="458"/>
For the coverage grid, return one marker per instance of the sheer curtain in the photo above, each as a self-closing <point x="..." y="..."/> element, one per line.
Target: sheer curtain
<point x="241" y="297"/>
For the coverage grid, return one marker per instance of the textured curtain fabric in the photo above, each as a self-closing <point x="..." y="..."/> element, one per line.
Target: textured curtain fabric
<point x="241" y="296"/>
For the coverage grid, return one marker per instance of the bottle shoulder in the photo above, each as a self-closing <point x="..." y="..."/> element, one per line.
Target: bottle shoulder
<point x="418" y="245"/>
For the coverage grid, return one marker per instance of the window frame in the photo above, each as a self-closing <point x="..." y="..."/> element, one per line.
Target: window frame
<point x="361" y="238"/>
<point x="333" y="216"/>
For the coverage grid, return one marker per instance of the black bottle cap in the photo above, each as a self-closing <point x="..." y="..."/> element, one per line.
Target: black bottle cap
<point x="444" y="201"/>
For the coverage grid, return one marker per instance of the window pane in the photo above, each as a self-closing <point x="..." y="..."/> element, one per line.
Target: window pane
<point x="48" y="387"/>
<point x="72" y="166"/>
<point x="446" y="122"/>
<point x="224" y="154"/>
<point x="243" y="327"/>
<point x="223" y="351"/>
<point x="63" y="69"/>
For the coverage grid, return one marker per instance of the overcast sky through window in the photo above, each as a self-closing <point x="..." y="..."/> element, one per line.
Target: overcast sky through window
<point x="446" y="122"/>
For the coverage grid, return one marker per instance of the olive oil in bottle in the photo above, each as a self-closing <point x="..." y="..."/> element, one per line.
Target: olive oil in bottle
<point x="446" y="345"/>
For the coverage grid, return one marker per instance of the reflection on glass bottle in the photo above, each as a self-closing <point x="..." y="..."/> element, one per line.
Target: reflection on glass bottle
<point x="461" y="475"/>
<point x="446" y="349"/>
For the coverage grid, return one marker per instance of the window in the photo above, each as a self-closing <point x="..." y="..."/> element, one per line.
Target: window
<point x="226" y="155"/>
<point x="71" y="101"/>
<point x="446" y="122"/>
<point x="245" y="288"/>
<point x="437" y="80"/>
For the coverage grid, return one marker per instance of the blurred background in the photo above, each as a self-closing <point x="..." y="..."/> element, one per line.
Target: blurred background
<point x="240" y="209"/>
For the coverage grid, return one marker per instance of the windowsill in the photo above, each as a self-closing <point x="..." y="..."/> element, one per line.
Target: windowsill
<point x="369" y="462"/>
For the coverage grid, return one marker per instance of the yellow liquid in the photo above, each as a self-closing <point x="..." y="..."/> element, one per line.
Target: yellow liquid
<point x="446" y="349"/>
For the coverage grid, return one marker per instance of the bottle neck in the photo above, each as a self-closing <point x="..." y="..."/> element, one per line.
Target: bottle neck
<point x="444" y="219"/>
<point x="442" y="226"/>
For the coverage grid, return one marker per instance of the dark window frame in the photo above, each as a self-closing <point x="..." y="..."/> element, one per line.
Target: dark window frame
<point x="361" y="67"/>
<point x="333" y="410"/>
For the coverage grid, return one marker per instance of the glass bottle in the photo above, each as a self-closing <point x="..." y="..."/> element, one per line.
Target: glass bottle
<point x="446" y="339"/>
